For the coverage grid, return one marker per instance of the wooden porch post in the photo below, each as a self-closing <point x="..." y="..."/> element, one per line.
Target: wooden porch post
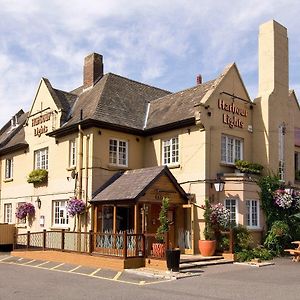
<point x="193" y="227"/>
<point x="115" y="219"/>
<point x="136" y="215"/>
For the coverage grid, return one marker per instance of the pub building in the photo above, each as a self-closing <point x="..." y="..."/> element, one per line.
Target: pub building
<point x="121" y="146"/>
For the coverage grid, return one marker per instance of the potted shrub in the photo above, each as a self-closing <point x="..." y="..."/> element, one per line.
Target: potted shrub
<point x="159" y="248"/>
<point x="207" y="247"/>
<point x="216" y="218"/>
<point x="37" y="176"/>
<point x="248" y="167"/>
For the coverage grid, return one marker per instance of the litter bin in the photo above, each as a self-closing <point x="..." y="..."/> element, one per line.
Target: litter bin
<point x="173" y="259"/>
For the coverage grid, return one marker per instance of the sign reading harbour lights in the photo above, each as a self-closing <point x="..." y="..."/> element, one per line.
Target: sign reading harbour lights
<point x="232" y="120"/>
<point x="39" y="121"/>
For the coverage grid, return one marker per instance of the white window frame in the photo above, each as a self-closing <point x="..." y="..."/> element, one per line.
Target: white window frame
<point x="9" y="168"/>
<point x="116" y="155"/>
<point x="230" y="147"/>
<point x="249" y="215"/>
<point x="41" y="159"/>
<point x="72" y="153"/>
<point x="230" y="208"/>
<point x="281" y="152"/>
<point x="60" y="213"/>
<point x="170" y="151"/>
<point x="8" y="213"/>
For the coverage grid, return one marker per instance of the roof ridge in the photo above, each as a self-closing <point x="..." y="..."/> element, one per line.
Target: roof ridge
<point x="145" y="84"/>
<point x="185" y="90"/>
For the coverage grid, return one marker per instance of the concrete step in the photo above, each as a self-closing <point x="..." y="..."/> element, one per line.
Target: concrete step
<point x="199" y="264"/>
<point x="198" y="258"/>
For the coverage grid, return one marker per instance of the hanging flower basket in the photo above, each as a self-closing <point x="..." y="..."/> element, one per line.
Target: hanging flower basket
<point x="75" y="207"/>
<point x="24" y="210"/>
<point x="286" y="200"/>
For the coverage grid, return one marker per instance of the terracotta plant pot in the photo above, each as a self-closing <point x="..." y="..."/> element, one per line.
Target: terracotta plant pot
<point x="158" y="250"/>
<point x="207" y="248"/>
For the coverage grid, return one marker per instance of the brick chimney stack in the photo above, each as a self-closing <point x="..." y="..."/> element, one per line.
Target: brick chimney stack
<point x="92" y="69"/>
<point x="199" y="79"/>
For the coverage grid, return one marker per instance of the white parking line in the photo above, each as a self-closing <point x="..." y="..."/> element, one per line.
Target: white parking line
<point x="4" y="258"/>
<point x="29" y="262"/>
<point x="93" y="273"/>
<point x="43" y="263"/>
<point x="117" y="276"/>
<point x="57" y="266"/>
<point x="75" y="269"/>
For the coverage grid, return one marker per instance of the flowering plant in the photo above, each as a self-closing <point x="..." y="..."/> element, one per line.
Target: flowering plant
<point x="75" y="206"/>
<point x="24" y="210"/>
<point x="216" y="217"/>
<point x="220" y="215"/>
<point x="284" y="199"/>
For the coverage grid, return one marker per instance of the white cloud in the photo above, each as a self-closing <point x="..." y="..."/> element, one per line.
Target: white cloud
<point x="164" y="43"/>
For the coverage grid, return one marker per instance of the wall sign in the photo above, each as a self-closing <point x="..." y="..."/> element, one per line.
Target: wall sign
<point x="233" y="114"/>
<point x="39" y="121"/>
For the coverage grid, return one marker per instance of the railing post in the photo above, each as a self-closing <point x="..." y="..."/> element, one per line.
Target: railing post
<point x="28" y="239"/>
<point x="62" y="239"/>
<point x="44" y="239"/>
<point x="91" y="244"/>
<point x="231" y="241"/>
<point x="125" y="244"/>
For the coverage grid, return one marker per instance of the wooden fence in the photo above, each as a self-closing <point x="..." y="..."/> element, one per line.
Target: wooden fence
<point x="7" y="232"/>
<point x="124" y="245"/>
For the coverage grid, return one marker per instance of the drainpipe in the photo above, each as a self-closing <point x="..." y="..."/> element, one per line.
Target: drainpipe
<point x="87" y="147"/>
<point x="80" y="161"/>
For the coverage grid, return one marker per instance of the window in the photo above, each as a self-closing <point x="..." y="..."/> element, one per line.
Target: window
<point x="252" y="213"/>
<point x="8" y="168"/>
<point x="61" y="217"/>
<point x="231" y="149"/>
<point x="170" y="151"/>
<point x="41" y="159"/>
<point x="297" y="165"/>
<point x="281" y="143"/>
<point x="8" y="213"/>
<point x="231" y="205"/>
<point x="118" y="152"/>
<point x="72" y="151"/>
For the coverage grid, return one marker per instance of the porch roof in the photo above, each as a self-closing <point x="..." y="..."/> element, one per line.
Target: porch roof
<point x="133" y="184"/>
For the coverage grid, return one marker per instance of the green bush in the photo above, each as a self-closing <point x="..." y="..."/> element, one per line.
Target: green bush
<point x="278" y="237"/>
<point x="37" y="176"/>
<point x="249" y="254"/>
<point x="242" y="238"/>
<point x="163" y="219"/>
<point x="248" y="167"/>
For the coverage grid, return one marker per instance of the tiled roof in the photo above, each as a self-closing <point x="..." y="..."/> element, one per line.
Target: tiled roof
<point x="116" y="100"/>
<point x="178" y="106"/>
<point x="13" y="136"/>
<point x="132" y="184"/>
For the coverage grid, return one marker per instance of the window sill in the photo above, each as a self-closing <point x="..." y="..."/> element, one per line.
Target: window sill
<point x="117" y="167"/>
<point x="71" y="168"/>
<point x="21" y="226"/>
<point x="173" y="166"/>
<point x="60" y="228"/>
<point x="8" y="180"/>
<point x="253" y="229"/>
<point x="224" y="164"/>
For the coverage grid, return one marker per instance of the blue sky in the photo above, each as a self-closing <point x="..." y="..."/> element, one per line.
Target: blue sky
<point x="162" y="43"/>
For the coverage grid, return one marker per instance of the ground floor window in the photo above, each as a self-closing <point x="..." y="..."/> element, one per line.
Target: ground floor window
<point x="252" y="217"/>
<point x="8" y="213"/>
<point x="60" y="215"/>
<point x="231" y="205"/>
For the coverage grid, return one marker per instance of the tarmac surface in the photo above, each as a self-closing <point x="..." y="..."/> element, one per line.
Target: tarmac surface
<point x="25" y="279"/>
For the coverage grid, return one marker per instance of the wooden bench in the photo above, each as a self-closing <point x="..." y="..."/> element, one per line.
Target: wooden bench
<point x="295" y="252"/>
